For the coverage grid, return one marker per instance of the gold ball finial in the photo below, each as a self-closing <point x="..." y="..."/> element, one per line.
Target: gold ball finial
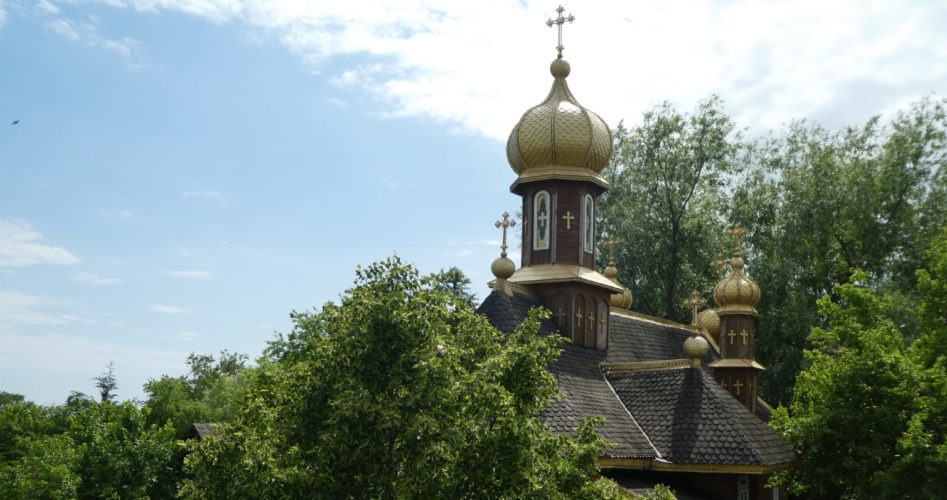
<point x="622" y="299"/>
<point x="695" y="348"/>
<point x="708" y="321"/>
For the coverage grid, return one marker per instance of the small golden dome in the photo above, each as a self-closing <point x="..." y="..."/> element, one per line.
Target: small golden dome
<point x="558" y="138"/>
<point x="695" y="348"/>
<point x="708" y="320"/>
<point x="737" y="293"/>
<point x="503" y="268"/>
<point x="623" y="299"/>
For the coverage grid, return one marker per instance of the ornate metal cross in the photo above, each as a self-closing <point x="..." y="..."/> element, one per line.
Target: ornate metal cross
<point x="507" y="223"/>
<point x="694" y="302"/>
<point x="718" y="266"/>
<point x="611" y="244"/>
<point x="559" y="21"/>
<point x="736" y="233"/>
<point x="568" y="217"/>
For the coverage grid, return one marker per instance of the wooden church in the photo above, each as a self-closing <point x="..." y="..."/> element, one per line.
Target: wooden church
<point x="679" y="401"/>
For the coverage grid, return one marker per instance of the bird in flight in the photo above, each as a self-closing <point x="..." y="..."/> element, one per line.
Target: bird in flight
<point x="15" y="122"/>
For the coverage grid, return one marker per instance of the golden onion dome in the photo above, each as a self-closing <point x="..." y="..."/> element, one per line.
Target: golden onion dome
<point x="737" y="293"/>
<point x="709" y="321"/>
<point x="559" y="139"/>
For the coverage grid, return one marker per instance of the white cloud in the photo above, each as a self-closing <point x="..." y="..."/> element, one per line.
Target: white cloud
<point x="29" y="309"/>
<point x="120" y="215"/>
<point x="211" y="195"/>
<point x="3" y="14"/>
<point x="478" y="65"/>
<point x="192" y="274"/>
<point x="89" y="33"/>
<point x="166" y="309"/>
<point x="93" y="279"/>
<point x="47" y="6"/>
<point x="20" y="246"/>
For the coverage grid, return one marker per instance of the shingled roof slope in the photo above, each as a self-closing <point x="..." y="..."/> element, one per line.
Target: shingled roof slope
<point x="633" y="339"/>
<point x="506" y="312"/>
<point x="692" y="420"/>
<point x="585" y="393"/>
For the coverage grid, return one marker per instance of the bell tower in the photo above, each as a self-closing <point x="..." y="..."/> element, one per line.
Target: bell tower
<point x="558" y="150"/>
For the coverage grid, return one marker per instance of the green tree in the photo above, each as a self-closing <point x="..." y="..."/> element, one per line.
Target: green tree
<point x="212" y="392"/>
<point x="819" y="204"/>
<point x="869" y="416"/>
<point x="399" y="390"/>
<point x="454" y="281"/>
<point x="666" y="200"/>
<point x="107" y="450"/>
<point x="107" y="384"/>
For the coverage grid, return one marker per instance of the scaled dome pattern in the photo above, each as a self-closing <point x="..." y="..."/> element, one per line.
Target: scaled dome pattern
<point x="558" y="138"/>
<point x="737" y="293"/>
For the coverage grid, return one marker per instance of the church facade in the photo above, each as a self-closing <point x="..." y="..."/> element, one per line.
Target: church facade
<point x="680" y="402"/>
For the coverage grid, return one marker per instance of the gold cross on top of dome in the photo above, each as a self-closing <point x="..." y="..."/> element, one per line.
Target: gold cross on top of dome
<point x="559" y="21"/>
<point x="736" y="233"/>
<point x="611" y="244"/>
<point x="694" y="302"/>
<point x="507" y="223"/>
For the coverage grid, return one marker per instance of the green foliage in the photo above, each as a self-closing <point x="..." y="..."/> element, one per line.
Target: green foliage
<point x="660" y="492"/>
<point x="213" y="392"/>
<point x="455" y="282"/>
<point x="105" y="451"/>
<point x="819" y="204"/>
<point x="399" y="391"/>
<point x="869" y="415"/>
<point x="107" y="384"/>
<point x="666" y="201"/>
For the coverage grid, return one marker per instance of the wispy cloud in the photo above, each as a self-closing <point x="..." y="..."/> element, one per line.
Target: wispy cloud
<point x="94" y="279"/>
<point x="88" y="32"/>
<point x="24" y="308"/>
<point x="192" y="274"/>
<point x="20" y="245"/>
<point x="47" y="6"/>
<point x="3" y="14"/>
<point x="211" y="195"/>
<point x="166" y="309"/>
<point x="120" y="215"/>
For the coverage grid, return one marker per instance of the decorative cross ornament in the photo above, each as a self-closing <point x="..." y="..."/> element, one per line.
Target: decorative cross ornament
<point x="611" y="244"/>
<point x="568" y="217"/>
<point x="694" y="302"/>
<point x="718" y="265"/>
<point x="559" y="21"/>
<point x="738" y="385"/>
<point x="507" y="223"/>
<point x="736" y="233"/>
<point x="732" y="336"/>
<point x="744" y="334"/>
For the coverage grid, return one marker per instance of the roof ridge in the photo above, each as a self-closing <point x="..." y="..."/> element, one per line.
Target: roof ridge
<point x="632" y="417"/>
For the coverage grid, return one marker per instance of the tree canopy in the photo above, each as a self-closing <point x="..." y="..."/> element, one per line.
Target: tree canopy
<point x="399" y="390"/>
<point x="869" y="415"/>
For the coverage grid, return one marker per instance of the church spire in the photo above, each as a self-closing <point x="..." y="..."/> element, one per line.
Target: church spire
<point x="558" y="150"/>
<point x="736" y="296"/>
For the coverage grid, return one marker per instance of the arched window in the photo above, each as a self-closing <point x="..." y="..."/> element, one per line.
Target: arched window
<point x="588" y="224"/>
<point x="541" y="218"/>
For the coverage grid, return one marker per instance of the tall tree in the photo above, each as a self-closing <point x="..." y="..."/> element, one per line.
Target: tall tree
<point x="107" y="384"/>
<point x="399" y="391"/>
<point x="869" y="415"/>
<point x="665" y="203"/>
<point x="820" y="204"/>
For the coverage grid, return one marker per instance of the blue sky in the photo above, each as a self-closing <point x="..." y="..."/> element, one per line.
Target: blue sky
<point x="185" y="173"/>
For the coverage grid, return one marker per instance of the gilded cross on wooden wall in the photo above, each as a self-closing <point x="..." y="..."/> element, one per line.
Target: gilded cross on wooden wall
<point x="559" y="21"/>
<point x="568" y="217"/>
<point x="507" y="223"/>
<point x="694" y="302"/>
